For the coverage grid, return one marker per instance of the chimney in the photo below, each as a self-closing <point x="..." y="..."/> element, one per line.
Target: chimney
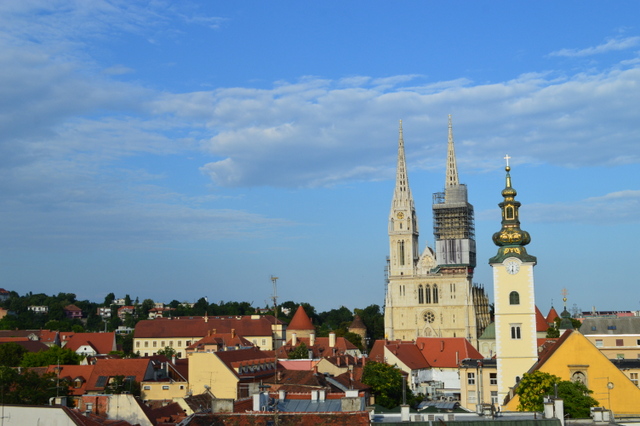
<point x="332" y="339"/>
<point x="294" y="339"/>
<point x="457" y="358"/>
<point x="441" y="345"/>
<point x="312" y="339"/>
<point x="233" y="332"/>
<point x="282" y="394"/>
<point x="206" y="317"/>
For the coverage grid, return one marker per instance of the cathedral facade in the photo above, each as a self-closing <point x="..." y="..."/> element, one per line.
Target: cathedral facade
<point x="431" y="293"/>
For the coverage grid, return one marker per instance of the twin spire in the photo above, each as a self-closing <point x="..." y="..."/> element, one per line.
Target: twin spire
<point x="452" y="168"/>
<point x="402" y="191"/>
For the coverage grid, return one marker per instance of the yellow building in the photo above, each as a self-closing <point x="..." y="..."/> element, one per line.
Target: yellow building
<point x="513" y="284"/>
<point x="229" y="374"/>
<point x="573" y="357"/>
<point x="264" y="331"/>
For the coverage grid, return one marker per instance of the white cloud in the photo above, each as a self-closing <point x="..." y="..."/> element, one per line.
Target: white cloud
<point x="610" y="45"/>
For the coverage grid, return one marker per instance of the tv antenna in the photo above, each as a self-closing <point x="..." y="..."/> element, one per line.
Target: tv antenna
<point x="274" y="280"/>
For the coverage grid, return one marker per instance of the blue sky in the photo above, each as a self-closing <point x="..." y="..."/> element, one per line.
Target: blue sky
<point x="174" y="150"/>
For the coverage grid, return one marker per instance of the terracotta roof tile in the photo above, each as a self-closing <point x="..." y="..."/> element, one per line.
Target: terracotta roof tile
<point x="246" y="325"/>
<point x="552" y="315"/>
<point x="541" y="322"/>
<point x="102" y="342"/>
<point x="409" y="355"/>
<point x="300" y="321"/>
<point x="446" y="351"/>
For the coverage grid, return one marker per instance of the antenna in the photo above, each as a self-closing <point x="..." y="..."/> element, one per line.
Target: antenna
<point x="274" y="280"/>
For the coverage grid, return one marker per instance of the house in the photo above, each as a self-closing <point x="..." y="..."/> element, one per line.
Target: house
<point x="408" y="358"/>
<point x="89" y="344"/>
<point x="444" y="355"/>
<point x="230" y="374"/>
<point x="574" y="357"/>
<point x="478" y="382"/>
<point x="47" y="337"/>
<point x="158" y="312"/>
<point x="179" y="333"/>
<point x="39" y="309"/>
<point x="75" y="377"/>
<point x="3" y="312"/>
<point x="320" y="347"/>
<point x="4" y="294"/>
<point x="124" y="310"/>
<point x="170" y="380"/>
<point x="616" y="337"/>
<point x="72" y="312"/>
<point x="214" y="342"/>
<point x="104" y="312"/>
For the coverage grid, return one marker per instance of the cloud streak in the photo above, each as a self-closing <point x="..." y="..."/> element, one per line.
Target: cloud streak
<point x="611" y="45"/>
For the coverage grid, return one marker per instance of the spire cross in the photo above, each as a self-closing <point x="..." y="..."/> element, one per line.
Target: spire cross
<point x="506" y="157"/>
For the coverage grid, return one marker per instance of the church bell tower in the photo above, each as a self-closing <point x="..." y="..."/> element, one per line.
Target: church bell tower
<point x="513" y="284"/>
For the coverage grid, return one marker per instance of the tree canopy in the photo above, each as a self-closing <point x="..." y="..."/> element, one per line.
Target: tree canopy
<point x="386" y="382"/>
<point x="535" y="386"/>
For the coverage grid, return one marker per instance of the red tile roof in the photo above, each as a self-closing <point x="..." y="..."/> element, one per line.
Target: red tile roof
<point x="446" y="351"/>
<point x="552" y="315"/>
<point x="247" y="358"/>
<point x="541" y="322"/>
<point x="102" y="342"/>
<point x="300" y="321"/>
<point x="321" y="348"/>
<point x="246" y="325"/>
<point x="219" y="341"/>
<point x="71" y="373"/>
<point x="139" y="368"/>
<point x="408" y="354"/>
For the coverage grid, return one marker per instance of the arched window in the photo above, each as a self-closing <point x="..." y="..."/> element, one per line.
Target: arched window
<point x="509" y="211"/>
<point x="435" y="293"/>
<point x="428" y="293"/>
<point x="420" y="294"/>
<point x="401" y="252"/>
<point x="514" y="298"/>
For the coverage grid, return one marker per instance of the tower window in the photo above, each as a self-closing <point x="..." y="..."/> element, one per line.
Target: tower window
<point x="509" y="212"/>
<point x="428" y="293"/>
<point x="514" y="298"/>
<point x="420" y="294"/>
<point x="435" y="293"/>
<point x="401" y="251"/>
<point x="515" y="331"/>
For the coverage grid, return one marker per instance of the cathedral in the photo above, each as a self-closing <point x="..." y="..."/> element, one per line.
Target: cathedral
<point x="431" y="293"/>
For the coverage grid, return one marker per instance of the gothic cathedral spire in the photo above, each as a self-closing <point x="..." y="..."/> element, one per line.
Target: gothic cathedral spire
<point x="403" y="223"/>
<point x="452" y="168"/>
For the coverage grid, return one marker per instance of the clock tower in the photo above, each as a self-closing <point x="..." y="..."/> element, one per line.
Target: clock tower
<point x="513" y="287"/>
<point x="403" y="223"/>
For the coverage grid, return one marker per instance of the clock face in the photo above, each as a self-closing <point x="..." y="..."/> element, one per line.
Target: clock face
<point x="512" y="266"/>
<point x="400" y="215"/>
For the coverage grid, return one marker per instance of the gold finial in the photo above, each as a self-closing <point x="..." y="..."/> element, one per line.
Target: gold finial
<point x="507" y="158"/>
<point x="564" y="293"/>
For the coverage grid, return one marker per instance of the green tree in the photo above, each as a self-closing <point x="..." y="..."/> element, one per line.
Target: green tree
<point x="167" y="351"/>
<point x="386" y="382"/>
<point x="108" y="300"/>
<point x="301" y="352"/>
<point x="54" y="355"/>
<point x="11" y="354"/>
<point x="554" y="330"/>
<point x="535" y="386"/>
<point x="28" y="387"/>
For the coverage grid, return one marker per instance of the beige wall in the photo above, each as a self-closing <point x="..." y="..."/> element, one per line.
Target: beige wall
<point x="454" y="315"/>
<point x="613" y="346"/>
<point x="151" y="345"/>
<point x="481" y="387"/>
<point x="206" y="369"/>
<point x="163" y="390"/>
